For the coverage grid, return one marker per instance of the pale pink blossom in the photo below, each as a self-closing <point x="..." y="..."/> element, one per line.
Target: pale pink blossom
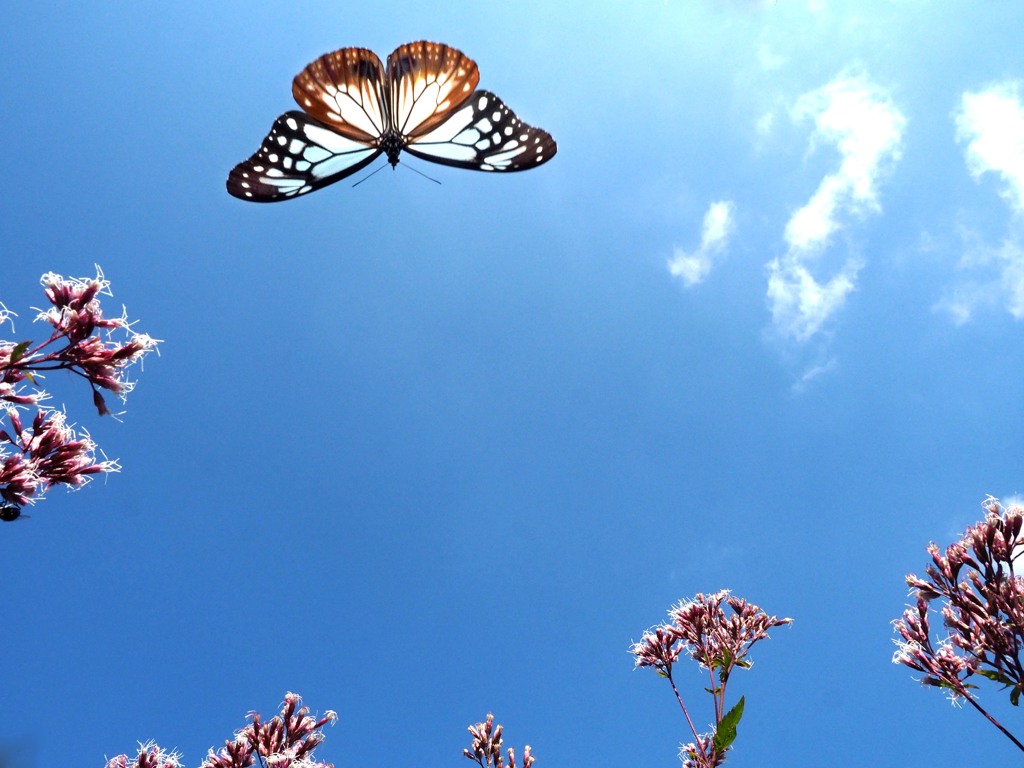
<point x="148" y="756"/>
<point x="981" y="601"/>
<point x="50" y="452"/>
<point x="717" y="631"/>
<point x="289" y="739"/>
<point x="485" y="750"/>
<point x="285" y="741"/>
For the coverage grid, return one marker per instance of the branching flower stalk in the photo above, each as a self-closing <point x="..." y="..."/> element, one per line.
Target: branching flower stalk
<point x="49" y="452"/>
<point x="285" y="741"/>
<point x="719" y="641"/>
<point x="982" y="607"/>
<point x="485" y="749"/>
<point x="289" y="739"/>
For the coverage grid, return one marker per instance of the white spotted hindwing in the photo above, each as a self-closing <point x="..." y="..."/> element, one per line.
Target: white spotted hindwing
<point x="485" y="135"/>
<point x="300" y="154"/>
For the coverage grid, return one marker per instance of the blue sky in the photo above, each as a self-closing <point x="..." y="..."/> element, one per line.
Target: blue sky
<point x="422" y="452"/>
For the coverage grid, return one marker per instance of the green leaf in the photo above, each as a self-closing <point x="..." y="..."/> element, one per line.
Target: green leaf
<point x="19" y="351"/>
<point x="1015" y="696"/>
<point x="934" y="681"/>
<point x="995" y="676"/>
<point x="725" y="733"/>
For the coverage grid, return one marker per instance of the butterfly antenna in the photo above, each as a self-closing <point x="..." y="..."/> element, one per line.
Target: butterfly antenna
<point x="371" y="175"/>
<point x="421" y="173"/>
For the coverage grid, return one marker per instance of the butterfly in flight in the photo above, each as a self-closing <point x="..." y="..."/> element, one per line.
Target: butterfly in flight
<point x="355" y="110"/>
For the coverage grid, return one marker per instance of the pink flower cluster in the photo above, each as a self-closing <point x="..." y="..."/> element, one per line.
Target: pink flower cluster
<point x="719" y="640"/>
<point x="285" y="741"/>
<point x="288" y="741"/>
<point x="982" y="608"/>
<point x="149" y="756"/>
<point x="702" y="753"/>
<point x="49" y="452"/>
<point x="485" y="750"/>
<point x="715" y="638"/>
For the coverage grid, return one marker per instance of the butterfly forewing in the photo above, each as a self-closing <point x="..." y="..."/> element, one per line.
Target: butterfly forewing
<point x="485" y="135"/>
<point x="428" y="81"/>
<point x="347" y="90"/>
<point x="299" y="154"/>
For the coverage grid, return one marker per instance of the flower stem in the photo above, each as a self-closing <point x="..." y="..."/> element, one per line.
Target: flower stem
<point x="683" y="707"/>
<point x="994" y="722"/>
<point x="696" y="737"/>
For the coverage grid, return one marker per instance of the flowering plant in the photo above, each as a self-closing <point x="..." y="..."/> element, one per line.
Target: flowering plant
<point x="288" y="741"/>
<point x="49" y="452"/>
<point x="485" y="750"/>
<point x="982" y="606"/>
<point x="285" y="741"/>
<point x="719" y="641"/>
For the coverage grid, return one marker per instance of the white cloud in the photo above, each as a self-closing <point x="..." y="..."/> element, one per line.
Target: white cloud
<point x="859" y="118"/>
<point x="861" y="121"/>
<point x="990" y="123"/>
<point x="692" y="268"/>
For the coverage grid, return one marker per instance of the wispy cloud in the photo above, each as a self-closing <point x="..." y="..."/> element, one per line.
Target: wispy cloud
<point x="859" y="118"/>
<point x="800" y="304"/>
<point x="990" y="123"/>
<point x="1005" y="290"/>
<point x="692" y="268"/>
<point x="812" y="373"/>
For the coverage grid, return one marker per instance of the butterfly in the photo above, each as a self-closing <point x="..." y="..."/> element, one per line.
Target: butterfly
<point x="10" y="512"/>
<point x="355" y="110"/>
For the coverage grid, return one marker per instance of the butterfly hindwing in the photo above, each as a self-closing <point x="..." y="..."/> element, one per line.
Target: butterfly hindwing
<point x="299" y="155"/>
<point x="485" y="135"/>
<point x="427" y="82"/>
<point x="348" y="90"/>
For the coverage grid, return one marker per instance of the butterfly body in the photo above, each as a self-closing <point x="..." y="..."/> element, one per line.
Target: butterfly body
<point x="424" y="102"/>
<point x="391" y="144"/>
